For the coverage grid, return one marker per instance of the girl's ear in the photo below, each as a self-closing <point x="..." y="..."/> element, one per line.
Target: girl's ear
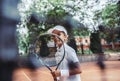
<point x="66" y="38"/>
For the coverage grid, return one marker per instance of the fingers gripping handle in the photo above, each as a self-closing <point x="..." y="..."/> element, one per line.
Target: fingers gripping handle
<point x="54" y="75"/>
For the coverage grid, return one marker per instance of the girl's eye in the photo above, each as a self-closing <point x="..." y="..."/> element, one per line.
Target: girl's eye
<point x="58" y="34"/>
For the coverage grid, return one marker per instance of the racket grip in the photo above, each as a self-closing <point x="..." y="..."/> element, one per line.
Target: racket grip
<point x="55" y="79"/>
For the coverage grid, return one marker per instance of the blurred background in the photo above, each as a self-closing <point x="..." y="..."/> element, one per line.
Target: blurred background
<point x="93" y="27"/>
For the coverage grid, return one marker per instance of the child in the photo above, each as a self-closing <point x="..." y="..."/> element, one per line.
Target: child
<point x="69" y="69"/>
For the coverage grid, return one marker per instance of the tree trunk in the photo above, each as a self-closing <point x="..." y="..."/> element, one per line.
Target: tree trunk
<point x="113" y="45"/>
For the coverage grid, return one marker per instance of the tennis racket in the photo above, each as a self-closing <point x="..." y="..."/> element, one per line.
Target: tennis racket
<point x="44" y="50"/>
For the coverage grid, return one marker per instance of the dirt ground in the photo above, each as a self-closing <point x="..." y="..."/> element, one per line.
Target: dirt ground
<point x="90" y="72"/>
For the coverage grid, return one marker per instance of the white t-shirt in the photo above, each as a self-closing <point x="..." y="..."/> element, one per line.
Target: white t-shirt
<point x="70" y="55"/>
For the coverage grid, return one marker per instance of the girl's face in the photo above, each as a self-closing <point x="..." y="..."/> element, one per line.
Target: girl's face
<point x="62" y="35"/>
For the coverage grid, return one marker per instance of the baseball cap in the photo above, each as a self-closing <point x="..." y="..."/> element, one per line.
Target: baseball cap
<point x="60" y="28"/>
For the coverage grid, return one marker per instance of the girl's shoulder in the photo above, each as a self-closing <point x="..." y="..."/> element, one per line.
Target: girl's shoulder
<point x="69" y="49"/>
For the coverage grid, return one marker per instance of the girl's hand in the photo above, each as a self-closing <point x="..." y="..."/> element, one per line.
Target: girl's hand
<point x="55" y="74"/>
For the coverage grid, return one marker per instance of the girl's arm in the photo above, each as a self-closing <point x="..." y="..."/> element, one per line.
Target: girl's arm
<point x="74" y="68"/>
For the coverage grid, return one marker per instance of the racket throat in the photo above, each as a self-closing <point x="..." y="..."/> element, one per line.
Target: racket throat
<point x="49" y="68"/>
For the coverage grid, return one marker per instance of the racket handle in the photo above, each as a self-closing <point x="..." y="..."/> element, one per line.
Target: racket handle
<point x="55" y="79"/>
<point x="54" y="75"/>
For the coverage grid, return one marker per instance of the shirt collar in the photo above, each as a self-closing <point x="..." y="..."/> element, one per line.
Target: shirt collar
<point x="61" y="48"/>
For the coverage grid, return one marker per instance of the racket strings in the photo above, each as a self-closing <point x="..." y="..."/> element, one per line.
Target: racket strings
<point x="49" y="60"/>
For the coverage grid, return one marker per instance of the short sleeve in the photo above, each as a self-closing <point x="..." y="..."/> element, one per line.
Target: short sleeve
<point x="71" y="55"/>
